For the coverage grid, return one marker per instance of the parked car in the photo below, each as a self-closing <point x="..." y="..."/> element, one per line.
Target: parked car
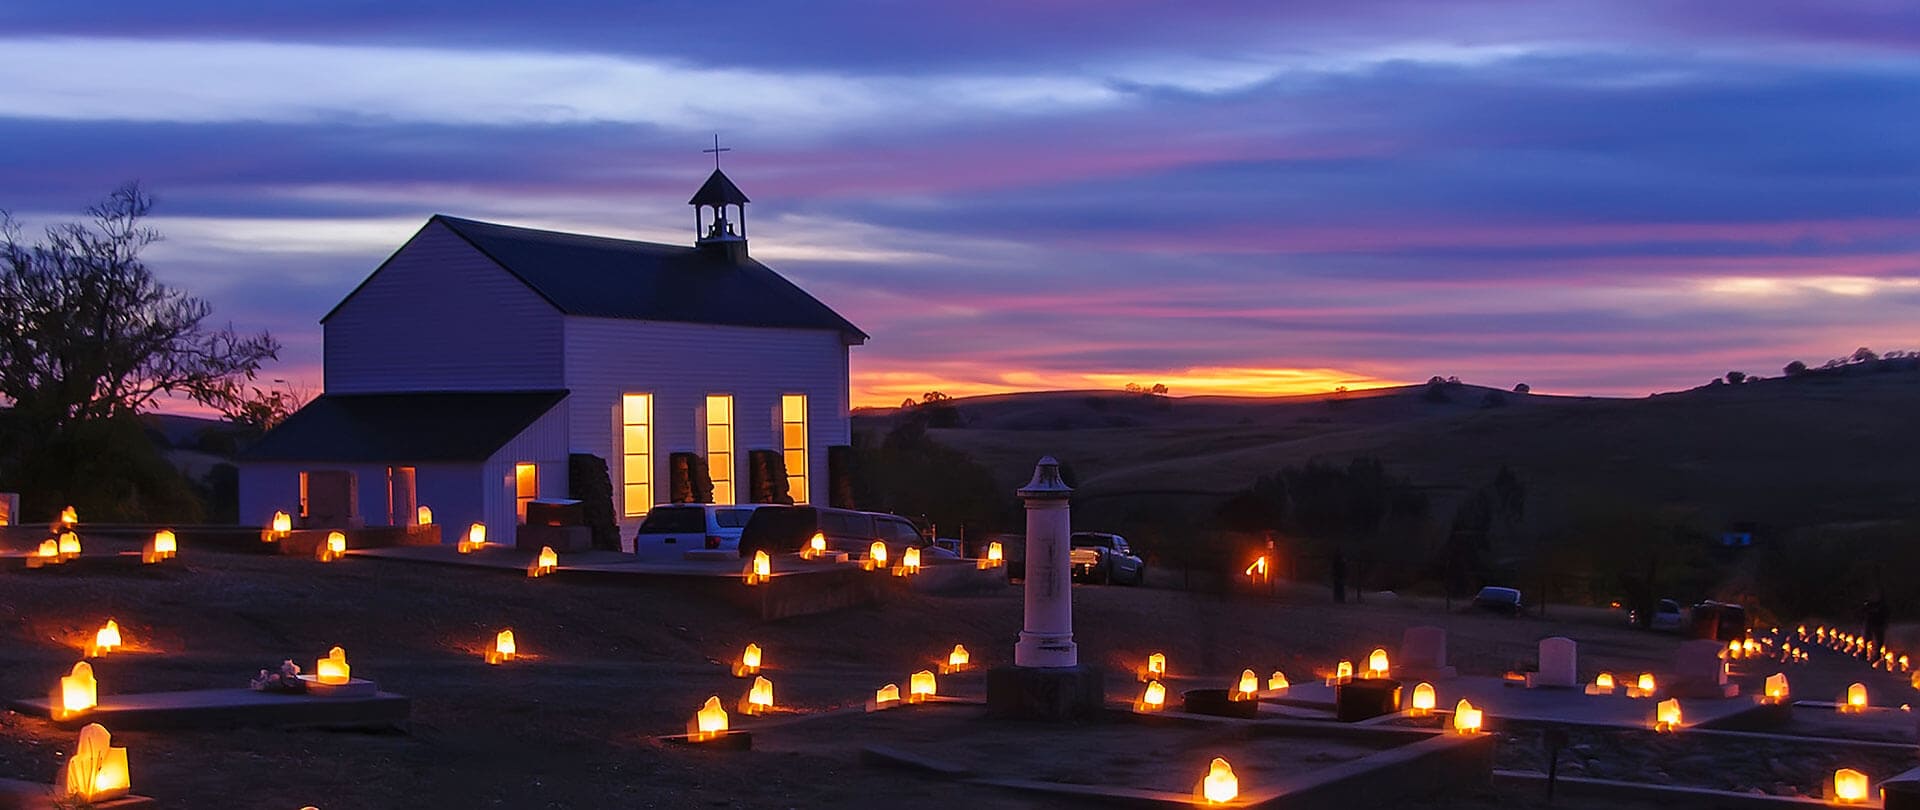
<point x="1720" y="621"/>
<point x="1103" y="557"/>
<point x="786" y="529"/>
<point x="1013" y="552"/>
<point x="1666" y="616"/>
<point x="1499" y="600"/>
<point x="671" y="529"/>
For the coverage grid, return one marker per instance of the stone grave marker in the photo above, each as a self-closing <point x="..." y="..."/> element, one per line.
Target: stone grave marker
<point x="1423" y="653"/>
<point x="1559" y="663"/>
<point x="1698" y="671"/>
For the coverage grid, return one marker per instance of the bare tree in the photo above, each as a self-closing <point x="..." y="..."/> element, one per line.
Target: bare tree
<point x="87" y="333"/>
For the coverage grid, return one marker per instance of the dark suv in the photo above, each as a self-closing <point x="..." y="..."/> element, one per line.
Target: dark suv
<point x="786" y="529"/>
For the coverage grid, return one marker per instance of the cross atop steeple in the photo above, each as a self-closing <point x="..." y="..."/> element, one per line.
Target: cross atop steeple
<point x="716" y="150"/>
<point x="712" y="227"/>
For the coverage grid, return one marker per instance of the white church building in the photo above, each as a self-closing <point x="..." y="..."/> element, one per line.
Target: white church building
<point x="466" y="369"/>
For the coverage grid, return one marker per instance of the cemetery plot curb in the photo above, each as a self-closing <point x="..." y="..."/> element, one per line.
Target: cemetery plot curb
<point x="1675" y="795"/>
<point x="1429" y="767"/>
<point x="231" y="708"/>
<point x="23" y="795"/>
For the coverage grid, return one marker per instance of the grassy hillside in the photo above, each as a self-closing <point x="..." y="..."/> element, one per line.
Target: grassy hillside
<point x="1783" y="452"/>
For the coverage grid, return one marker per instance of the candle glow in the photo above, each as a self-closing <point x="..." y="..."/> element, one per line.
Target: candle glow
<point x="333" y="669"/>
<point x="1152" y="699"/>
<point x="921" y="686"/>
<point x="761" y="569"/>
<point x="504" y="648"/>
<point x="1849" y="786"/>
<point x="1856" y="702"/>
<point x="1248" y="685"/>
<point x="759" y="697"/>
<point x="749" y="663"/>
<point x="163" y="546"/>
<point x="1776" y="688"/>
<point x="1424" y="699"/>
<point x="97" y="771"/>
<point x="710" y="721"/>
<point x="78" y="691"/>
<point x="106" y="639"/>
<point x="1666" y="716"/>
<point x="1466" y="718"/>
<point x="1220" y="785"/>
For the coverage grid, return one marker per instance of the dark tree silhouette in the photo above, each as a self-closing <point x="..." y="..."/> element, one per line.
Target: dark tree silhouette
<point x="1736" y="377"/>
<point x="1795" y="368"/>
<point x="1522" y="388"/>
<point x="87" y="333"/>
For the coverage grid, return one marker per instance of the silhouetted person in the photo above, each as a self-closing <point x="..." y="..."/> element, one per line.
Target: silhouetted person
<point x="1339" y="577"/>
<point x="1875" y="612"/>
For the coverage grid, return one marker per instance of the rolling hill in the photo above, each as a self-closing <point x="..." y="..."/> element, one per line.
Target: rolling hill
<point x="1822" y="448"/>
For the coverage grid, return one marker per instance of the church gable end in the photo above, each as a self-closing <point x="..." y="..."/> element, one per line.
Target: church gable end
<point x="440" y="315"/>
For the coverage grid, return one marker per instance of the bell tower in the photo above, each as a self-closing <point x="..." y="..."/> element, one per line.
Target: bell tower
<point x="716" y="229"/>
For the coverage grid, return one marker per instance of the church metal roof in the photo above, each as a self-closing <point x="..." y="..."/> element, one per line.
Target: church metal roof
<point x="620" y="278"/>
<point x="433" y="426"/>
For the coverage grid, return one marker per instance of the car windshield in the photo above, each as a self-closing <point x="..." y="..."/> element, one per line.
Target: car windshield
<point x="668" y="519"/>
<point x="731" y="518"/>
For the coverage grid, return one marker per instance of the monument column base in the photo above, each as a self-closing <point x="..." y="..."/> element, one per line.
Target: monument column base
<point x="1046" y="693"/>
<point x="1046" y="650"/>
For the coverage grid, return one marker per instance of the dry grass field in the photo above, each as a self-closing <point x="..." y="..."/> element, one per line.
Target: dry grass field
<point x="1780" y="452"/>
<point x="609" y="667"/>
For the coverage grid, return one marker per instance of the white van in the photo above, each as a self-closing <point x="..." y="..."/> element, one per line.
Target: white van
<point x="670" y="530"/>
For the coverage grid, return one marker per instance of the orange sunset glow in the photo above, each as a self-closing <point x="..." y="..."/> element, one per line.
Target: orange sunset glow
<point x="887" y="387"/>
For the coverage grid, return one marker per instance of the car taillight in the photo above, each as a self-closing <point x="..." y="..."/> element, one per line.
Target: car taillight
<point x="713" y="541"/>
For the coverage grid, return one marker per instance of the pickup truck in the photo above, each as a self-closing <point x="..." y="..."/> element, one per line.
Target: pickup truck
<point x="1106" y="558"/>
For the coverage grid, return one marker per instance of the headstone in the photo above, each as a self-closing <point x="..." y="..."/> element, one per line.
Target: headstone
<point x="1047" y="680"/>
<point x="1559" y="663"/>
<point x="333" y="500"/>
<point x="402" y="508"/>
<point x="1423" y="653"/>
<point x="1902" y="792"/>
<point x="1698" y="671"/>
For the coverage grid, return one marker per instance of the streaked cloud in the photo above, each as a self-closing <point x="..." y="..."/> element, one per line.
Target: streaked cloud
<point x="1588" y="197"/>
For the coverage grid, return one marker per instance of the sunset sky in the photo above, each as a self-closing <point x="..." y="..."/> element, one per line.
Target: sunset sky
<point x="1265" y="197"/>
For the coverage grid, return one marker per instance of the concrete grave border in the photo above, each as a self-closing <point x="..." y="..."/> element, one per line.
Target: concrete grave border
<point x="1422" y="762"/>
<point x="18" y="794"/>
<point x="229" y="708"/>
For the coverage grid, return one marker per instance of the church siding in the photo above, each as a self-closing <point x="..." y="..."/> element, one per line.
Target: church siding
<point x="441" y="316"/>
<point x="680" y="364"/>
<point x="544" y="443"/>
